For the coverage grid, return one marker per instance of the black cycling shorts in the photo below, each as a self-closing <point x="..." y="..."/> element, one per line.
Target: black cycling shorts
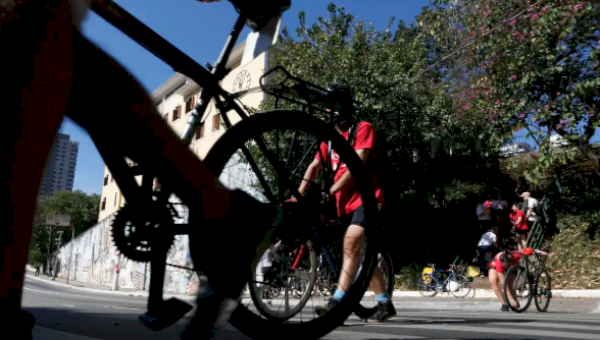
<point x="357" y="217"/>
<point x="521" y="231"/>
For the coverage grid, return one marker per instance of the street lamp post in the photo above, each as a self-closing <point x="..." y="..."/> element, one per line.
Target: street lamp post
<point x="71" y="254"/>
<point x="49" y="228"/>
<point x="59" y="239"/>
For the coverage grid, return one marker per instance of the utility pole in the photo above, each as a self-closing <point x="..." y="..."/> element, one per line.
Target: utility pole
<point x="49" y="228"/>
<point x="71" y="253"/>
<point x="59" y="239"/>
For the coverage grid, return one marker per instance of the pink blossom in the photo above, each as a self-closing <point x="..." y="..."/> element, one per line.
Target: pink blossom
<point x="522" y="115"/>
<point x="535" y="16"/>
<point x="544" y="9"/>
<point x="579" y="6"/>
<point x="513" y="77"/>
<point x="482" y="110"/>
<point x="592" y="115"/>
<point x="513" y="21"/>
<point x="497" y="102"/>
<point x="515" y="34"/>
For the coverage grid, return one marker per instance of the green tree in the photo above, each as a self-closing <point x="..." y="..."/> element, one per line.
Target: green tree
<point x="438" y="159"/>
<point x="82" y="208"/>
<point x="522" y="64"/>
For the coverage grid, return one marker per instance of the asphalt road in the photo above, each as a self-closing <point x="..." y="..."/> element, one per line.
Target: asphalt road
<point x="68" y="314"/>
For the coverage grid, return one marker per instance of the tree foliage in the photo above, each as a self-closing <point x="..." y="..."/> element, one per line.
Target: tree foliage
<point x="522" y="65"/>
<point x="82" y="208"/>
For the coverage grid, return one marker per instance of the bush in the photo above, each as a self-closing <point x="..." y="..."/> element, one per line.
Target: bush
<point x="407" y="277"/>
<point x="574" y="256"/>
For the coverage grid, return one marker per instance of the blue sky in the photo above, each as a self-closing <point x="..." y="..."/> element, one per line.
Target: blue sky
<point x="199" y="30"/>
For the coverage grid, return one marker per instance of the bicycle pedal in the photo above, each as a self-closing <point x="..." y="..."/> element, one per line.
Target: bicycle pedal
<point x="170" y="312"/>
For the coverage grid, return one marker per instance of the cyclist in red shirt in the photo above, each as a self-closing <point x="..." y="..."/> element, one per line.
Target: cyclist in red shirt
<point x="501" y="262"/>
<point x="520" y="226"/>
<point x="348" y="201"/>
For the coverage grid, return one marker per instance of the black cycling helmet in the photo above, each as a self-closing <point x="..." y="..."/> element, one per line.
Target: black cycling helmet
<point x="340" y="103"/>
<point x="506" y="257"/>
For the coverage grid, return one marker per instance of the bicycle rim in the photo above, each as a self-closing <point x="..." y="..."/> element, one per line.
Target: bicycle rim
<point x="520" y="287"/>
<point x="246" y="318"/>
<point x="463" y="288"/>
<point x="543" y="291"/>
<point x="427" y="285"/>
<point x="284" y="311"/>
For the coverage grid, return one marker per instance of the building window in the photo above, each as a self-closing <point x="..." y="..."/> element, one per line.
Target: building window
<point x="216" y="122"/>
<point x="105" y="180"/>
<point x="115" y="199"/>
<point x="189" y="104"/>
<point x="200" y="132"/>
<point x="167" y="117"/>
<point x="176" y="113"/>
<point x="103" y="206"/>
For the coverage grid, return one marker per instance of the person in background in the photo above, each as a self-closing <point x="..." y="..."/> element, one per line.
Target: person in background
<point x="484" y="214"/>
<point x="487" y="246"/>
<point x="38" y="264"/>
<point x="520" y="227"/>
<point x="532" y="204"/>
<point x="501" y="262"/>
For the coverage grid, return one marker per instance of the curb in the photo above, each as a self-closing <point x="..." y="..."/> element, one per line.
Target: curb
<point x="95" y="290"/>
<point x="473" y="294"/>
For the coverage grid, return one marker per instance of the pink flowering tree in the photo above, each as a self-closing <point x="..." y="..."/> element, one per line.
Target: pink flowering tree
<point x="531" y="65"/>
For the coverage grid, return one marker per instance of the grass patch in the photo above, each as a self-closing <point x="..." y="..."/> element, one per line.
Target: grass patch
<point x="574" y="258"/>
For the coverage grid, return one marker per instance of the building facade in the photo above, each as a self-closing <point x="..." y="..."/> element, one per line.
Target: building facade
<point x="175" y="100"/>
<point x="59" y="173"/>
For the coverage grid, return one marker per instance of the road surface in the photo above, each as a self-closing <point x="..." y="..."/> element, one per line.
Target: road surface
<point x="68" y="314"/>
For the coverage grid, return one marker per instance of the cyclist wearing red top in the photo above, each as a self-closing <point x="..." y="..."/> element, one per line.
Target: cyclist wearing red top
<point x="348" y="201"/>
<point x="520" y="226"/>
<point x="501" y="262"/>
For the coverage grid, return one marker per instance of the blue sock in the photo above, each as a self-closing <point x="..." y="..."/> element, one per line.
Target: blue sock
<point x="383" y="297"/>
<point x="339" y="294"/>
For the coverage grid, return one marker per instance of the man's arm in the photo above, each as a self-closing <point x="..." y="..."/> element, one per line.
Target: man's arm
<point x="309" y="176"/>
<point x="363" y="154"/>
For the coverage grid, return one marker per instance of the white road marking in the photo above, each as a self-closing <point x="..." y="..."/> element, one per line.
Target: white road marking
<point x="550" y="325"/>
<point x="521" y="332"/>
<point x="82" y="296"/>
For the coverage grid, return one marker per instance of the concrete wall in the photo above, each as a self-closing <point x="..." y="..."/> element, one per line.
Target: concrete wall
<point x="94" y="259"/>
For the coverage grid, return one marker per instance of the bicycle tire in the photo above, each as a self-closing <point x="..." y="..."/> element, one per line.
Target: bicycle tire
<point x="364" y="311"/>
<point x="543" y="307"/>
<point x="514" y="270"/>
<point x="262" y="306"/>
<point x="421" y="283"/>
<point x="242" y="318"/>
<point x="463" y="279"/>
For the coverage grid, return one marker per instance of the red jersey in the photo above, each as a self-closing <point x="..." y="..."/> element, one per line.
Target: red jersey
<point x="515" y="216"/>
<point x="348" y="198"/>
<point x="497" y="264"/>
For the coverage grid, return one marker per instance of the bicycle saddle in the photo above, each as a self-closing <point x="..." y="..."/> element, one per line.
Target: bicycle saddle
<point x="260" y="13"/>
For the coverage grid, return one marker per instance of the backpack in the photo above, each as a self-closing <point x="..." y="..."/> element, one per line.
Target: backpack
<point x="382" y="166"/>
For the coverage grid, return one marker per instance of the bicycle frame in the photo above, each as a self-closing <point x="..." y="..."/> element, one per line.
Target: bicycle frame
<point x="209" y="81"/>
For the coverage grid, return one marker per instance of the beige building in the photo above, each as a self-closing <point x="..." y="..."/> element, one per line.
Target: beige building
<point x="176" y="98"/>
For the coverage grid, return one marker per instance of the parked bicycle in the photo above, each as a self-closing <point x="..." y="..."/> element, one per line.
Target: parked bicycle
<point x="430" y="283"/>
<point x="528" y="280"/>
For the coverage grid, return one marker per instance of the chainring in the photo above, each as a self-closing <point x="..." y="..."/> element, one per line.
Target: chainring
<point x="136" y="229"/>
